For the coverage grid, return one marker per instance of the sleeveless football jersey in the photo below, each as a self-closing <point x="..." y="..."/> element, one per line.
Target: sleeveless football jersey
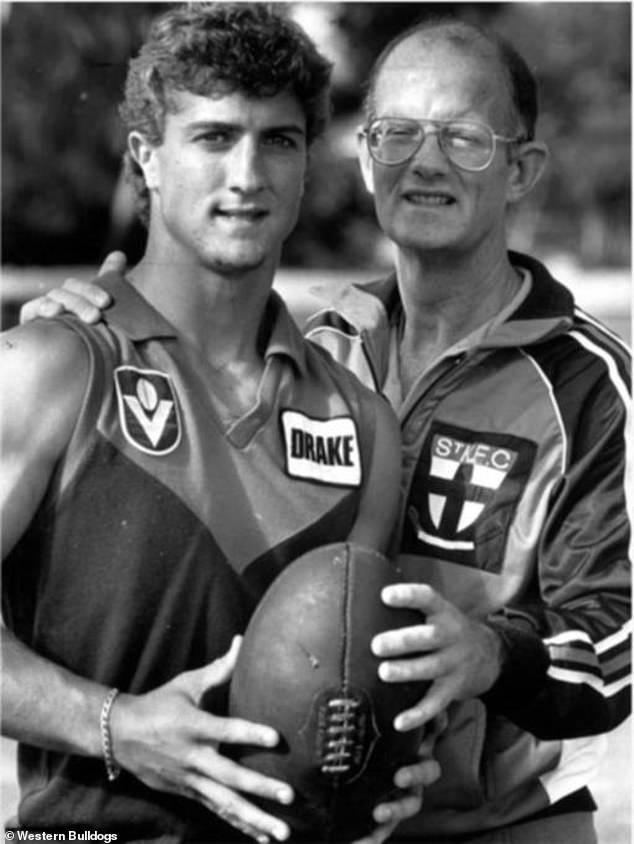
<point x="164" y="523"/>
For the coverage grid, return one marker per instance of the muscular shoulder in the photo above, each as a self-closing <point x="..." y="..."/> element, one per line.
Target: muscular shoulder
<point x="40" y="337"/>
<point x="44" y="369"/>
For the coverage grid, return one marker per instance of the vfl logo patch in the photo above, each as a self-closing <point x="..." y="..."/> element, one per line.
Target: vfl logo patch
<point x="464" y="494"/>
<point x="147" y="409"/>
<point x="325" y="450"/>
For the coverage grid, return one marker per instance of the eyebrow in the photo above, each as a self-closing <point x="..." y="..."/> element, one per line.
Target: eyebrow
<point x="289" y="128"/>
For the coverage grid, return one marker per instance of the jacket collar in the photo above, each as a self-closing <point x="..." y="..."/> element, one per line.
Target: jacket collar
<point x="546" y="311"/>
<point x="140" y="321"/>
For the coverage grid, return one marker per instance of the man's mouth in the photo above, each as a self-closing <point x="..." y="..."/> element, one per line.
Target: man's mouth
<point x="244" y="214"/>
<point x="428" y="198"/>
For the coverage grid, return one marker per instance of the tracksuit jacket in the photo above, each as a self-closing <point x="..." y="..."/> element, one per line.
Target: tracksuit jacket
<point x="514" y="508"/>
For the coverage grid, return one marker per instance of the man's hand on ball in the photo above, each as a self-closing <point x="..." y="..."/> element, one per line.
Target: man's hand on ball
<point x="84" y="299"/>
<point x="461" y="657"/>
<point x="412" y="779"/>
<point x="172" y="745"/>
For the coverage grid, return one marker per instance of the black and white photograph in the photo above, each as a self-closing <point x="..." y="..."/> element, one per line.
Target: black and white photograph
<point x="316" y="426"/>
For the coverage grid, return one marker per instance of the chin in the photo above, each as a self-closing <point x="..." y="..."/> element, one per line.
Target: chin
<point x="237" y="265"/>
<point x="420" y="237"/>
<point x="421" y="243"/>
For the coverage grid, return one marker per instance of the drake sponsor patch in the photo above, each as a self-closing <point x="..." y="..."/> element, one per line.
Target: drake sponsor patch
<point x="464" y="495"/>
<point x="148" y="410"/>
<point x="324" y="450"/>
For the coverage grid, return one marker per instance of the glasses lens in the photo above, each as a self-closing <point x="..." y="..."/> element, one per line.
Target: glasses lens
<point x="468" y="145"/>
<point x="393" y="141"/>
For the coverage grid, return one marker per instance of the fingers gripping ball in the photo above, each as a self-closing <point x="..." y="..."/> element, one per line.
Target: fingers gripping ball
<point x="306" y="669"/>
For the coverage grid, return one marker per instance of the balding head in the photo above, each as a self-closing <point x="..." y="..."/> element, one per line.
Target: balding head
<point x="518" y="91"/>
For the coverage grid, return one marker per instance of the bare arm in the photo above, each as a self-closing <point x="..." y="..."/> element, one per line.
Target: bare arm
<point x="43" y="376"/>
<point x="44" y="371"/>
<point x="161" y="737"/>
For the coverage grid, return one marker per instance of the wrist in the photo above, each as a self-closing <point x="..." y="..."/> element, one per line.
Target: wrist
<point x="496" y="653"/>
<point x="522" y="665"/>
<point x="112" y="768"/>
<point x="120" y="727"/>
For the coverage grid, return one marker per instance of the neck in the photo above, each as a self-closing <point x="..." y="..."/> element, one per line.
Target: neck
<point x="218" y="311"/>
<point x="445" y="297"/>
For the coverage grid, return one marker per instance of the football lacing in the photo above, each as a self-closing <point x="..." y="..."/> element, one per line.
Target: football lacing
<point x="342" y="726"/>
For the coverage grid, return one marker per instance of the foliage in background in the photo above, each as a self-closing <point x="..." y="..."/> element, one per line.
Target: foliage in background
<point x="64" y="66"/>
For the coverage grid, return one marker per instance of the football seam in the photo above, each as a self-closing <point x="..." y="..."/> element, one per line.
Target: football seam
<point x="338" y="754"/>
<point x="347" y="617"/>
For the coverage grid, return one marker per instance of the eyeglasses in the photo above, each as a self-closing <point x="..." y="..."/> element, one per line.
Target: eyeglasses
<point x="468" y="145"/>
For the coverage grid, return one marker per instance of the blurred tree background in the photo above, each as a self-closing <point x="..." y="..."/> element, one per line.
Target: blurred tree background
<point x="63" y="67"/>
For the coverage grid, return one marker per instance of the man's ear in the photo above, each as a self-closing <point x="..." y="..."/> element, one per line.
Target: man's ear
<point x="145" y="155"/>
<point x="365" y="162"/>
<point x="529" y="162"/>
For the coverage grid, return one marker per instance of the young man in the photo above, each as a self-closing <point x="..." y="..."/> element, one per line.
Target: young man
<point x="513" y="406"/>
<point x="153" y="485"/>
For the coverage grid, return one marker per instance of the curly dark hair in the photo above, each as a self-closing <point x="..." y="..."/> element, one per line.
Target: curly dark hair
<point x="212" y="48"/>
<point x="520" y="80"/>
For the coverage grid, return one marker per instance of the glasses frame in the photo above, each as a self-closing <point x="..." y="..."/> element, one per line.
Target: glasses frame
<point x="436" y="130"/>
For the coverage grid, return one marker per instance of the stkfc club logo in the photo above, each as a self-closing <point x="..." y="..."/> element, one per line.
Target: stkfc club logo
<point x="464" y="494"/>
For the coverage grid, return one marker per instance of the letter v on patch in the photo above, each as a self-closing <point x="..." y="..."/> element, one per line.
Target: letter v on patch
<point x="148" y="410"/>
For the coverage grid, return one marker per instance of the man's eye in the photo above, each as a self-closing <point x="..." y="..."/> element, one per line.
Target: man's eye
<point x="463" y="137"/>
<point x="216" y="138"/>
<point x="281" y="141"/>
<point x="400" y="132"/>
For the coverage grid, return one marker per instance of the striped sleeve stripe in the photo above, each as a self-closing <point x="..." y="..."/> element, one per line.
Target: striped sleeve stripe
<point x="565" y="675"/>
<point x="602" y="330"/>
<point x="617" y="658"/>
<point x="615" y="638"/>
<point x="617" y="351"/>
<point x="610" y="361"/>
<point x="610" y="670"/>
<point x="581" y="645"/>
<point x="605" y="666"/>
<point x="585" y="655"/>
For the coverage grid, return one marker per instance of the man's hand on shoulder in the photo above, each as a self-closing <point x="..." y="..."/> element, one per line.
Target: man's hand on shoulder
<point x="84" y="299"/>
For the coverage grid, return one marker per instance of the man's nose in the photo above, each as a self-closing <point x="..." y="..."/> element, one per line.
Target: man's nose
<point x="430" y="157"/>
<point x="246" y="169"/>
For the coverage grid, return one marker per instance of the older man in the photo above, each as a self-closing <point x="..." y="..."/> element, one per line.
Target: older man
<point x="513" y="410"/>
